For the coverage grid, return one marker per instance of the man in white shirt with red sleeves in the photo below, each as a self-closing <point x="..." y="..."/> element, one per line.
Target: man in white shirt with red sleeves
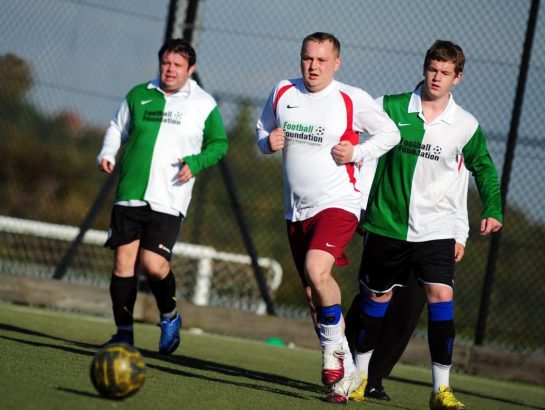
<point x="309" y="119"/>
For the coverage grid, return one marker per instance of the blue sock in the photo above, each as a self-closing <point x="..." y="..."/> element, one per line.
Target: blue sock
<point x="440" y="311"/>
<point x="329" y="315"/>
<point x="373" y="308"/>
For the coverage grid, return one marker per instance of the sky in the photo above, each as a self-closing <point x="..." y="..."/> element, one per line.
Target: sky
<point x="87" y="54"/>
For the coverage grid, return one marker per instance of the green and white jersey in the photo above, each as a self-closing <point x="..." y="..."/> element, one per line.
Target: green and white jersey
<point x="157" y="131"/>
<point x="420" y="186"/>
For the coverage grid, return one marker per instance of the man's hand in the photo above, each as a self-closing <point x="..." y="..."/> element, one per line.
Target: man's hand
<point x="184" y="174"/>
<point x="106" y="166"/>
<point x="342" y="152"/>
<point x="458" y="251"/>
<point x="277" y="139"/>
<point x="489" y="225"/>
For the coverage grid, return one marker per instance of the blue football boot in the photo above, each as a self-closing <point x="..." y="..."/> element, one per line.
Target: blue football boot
<point x="170" y="334"/>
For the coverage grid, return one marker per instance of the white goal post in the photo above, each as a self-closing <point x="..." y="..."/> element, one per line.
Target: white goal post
<point x="205" y="255"/>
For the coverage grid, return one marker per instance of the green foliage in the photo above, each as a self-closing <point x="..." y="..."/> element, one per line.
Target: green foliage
<point x="16" y="79"/>
<point x="50" y="173"/>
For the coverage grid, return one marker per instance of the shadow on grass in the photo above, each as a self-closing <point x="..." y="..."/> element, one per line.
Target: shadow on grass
<point x="82" y="393"/>
<point x="199" y="366"/>
<point x="469" y="393"/>
<point x="96" y="396"/>
<point x="227" y="372"/>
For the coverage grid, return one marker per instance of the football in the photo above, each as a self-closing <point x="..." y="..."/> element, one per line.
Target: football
<point x="118" y="371"/>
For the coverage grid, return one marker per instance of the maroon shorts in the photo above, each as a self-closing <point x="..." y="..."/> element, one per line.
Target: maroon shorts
<point x="329" y="230"/>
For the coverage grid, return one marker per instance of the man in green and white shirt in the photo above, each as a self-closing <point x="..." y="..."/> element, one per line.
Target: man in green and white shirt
<point x="171" y="130"/>
<point x="418" y="194"/>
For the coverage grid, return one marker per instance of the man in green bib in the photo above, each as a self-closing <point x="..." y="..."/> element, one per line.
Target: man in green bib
<point x="418" y="195"/>
<point x="171" y="130"/>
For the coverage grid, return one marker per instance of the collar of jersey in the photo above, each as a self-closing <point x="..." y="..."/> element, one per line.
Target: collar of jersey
<point x="329" y="89"/>
<point x="183" y="92"/>
<point x="415" y="106"/>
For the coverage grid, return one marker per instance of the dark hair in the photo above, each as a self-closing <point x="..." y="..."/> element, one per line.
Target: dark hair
<point x="443" y="50"/>
<point x="179" y="46"/>
<point x="320" y="37"/>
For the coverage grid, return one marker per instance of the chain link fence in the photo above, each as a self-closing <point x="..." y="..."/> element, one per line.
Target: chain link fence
<point x="66" y="65"/>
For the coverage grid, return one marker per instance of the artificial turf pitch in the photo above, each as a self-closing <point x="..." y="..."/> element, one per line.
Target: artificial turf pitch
<point x="45" y="357"/>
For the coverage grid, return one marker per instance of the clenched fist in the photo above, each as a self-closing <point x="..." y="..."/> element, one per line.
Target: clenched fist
<point x="277" y="139"/>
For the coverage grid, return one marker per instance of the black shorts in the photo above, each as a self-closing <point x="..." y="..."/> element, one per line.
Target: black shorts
<point x="388" y="262"/>
<point x="156" y="231"/>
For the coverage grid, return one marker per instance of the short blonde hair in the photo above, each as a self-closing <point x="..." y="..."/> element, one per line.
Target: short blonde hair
<point x="321" y="37"/>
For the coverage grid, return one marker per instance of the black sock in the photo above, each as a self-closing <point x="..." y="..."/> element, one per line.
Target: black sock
<point x="368" y="332"/>
<point x="374" y="382"/>
<point x="165" y="293"/>
<point x="441" y="341"/>
<point x="351" y="320"/>
<point x="123" y="294"/>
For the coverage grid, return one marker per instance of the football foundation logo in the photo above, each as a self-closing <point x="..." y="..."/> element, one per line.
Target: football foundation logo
<point x="303" y="134"/>
<point x="419" y="149"/>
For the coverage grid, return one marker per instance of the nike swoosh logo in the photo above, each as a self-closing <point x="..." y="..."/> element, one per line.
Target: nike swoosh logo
<point x="292" y="106"/>
<point x="144" y="102"/>
<point x="402" y="124"/>
<point x="328" y="245"/>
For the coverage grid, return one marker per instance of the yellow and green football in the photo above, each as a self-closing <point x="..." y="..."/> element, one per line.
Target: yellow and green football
<point x="118" y="371"/>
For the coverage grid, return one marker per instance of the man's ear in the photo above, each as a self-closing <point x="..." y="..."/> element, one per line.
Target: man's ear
<point x="458" y="77"/>
<point x="337" y="63"/>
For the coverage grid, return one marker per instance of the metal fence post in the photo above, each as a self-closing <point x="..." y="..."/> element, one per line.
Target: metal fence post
<point x="97" y="205"/>
<point x="506" y="173"/>
<point x="191" y="15"/>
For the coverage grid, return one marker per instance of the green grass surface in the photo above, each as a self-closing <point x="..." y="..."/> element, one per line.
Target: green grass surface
<point x="45" y="357"/>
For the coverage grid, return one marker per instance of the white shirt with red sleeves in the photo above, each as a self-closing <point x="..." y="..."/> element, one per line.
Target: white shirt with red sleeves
<point x="313" y="124"/>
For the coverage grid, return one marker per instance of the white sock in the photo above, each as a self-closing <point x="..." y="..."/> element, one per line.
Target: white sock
<point x="362" y="362"/>
<point x="331" y="336"/>
<point x="349" y="366"/>
<point x="440" y="374"/>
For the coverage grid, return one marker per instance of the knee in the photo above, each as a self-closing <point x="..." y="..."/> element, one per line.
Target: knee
<point x="439" y="293"/>
<point x="379" y="297"/>
<point x="155" y="266"/>
<point x="155" y="275"/>
<point x="317" y="278"/>
<point x="124" y="268"/>
<point x="318" y="275"/>
<point x="318" y="265"/>
<point x="156" y="271"/>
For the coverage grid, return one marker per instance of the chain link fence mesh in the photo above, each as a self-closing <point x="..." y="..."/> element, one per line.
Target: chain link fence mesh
<point x="67" y="64"/>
